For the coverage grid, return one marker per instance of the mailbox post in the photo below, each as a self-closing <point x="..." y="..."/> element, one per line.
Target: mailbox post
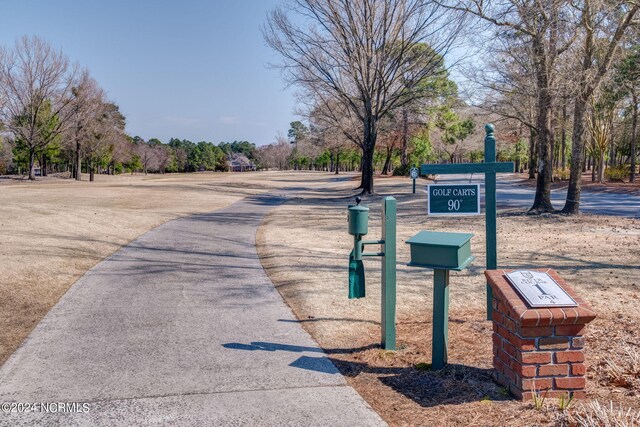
<point x="358" y="227"/>
<point x="442" y="252"/>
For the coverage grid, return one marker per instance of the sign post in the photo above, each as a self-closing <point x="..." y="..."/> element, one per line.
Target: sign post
<point x="414" y="175"/>
<point x="489" y="168"/>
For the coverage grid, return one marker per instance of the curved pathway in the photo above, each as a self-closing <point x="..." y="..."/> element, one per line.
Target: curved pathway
<point x="180" y="327"/>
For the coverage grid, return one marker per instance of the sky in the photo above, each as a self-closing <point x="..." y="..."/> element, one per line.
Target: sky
<point x="190" y="69"/>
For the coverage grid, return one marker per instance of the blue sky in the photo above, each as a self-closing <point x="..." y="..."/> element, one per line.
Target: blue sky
<point x="192" y="69"/>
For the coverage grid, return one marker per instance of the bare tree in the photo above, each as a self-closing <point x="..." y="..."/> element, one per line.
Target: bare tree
<point x="106" y="128"/>
<point x="121" y="151"/>
<point x="503" y="86"/>
<point x="597" y="17"/>
<point x="6" y="157"/>
<point x="542" y="24"/>
<point x="334" y="127"/>
<point x="86" y="103"/>
<point x="163" y="156"/>
<point x="147" y="156"/>
<point x="364" y="54"/>
<point x="276" y="155"/>
<point x="628" y="78"/>
<point x="35" y="84"/>
<point x="394" y="131"/>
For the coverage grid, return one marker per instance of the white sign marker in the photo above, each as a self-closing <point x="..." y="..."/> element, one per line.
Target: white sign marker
<point x="539" y="289"/>
<point x="413" y="172"/>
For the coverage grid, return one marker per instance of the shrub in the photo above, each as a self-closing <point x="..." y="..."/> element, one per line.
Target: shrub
<point x="561" y="174"/>
<point x="401" y="170"/>
<point x="618" y="173"/>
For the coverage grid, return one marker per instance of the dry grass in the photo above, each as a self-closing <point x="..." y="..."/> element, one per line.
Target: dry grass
<point x="595" y="414"/>
<point x="304" y="247"/>
<point x="54" y="230"/>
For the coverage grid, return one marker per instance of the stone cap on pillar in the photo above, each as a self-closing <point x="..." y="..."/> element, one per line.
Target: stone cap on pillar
<point x="519" y="309"/>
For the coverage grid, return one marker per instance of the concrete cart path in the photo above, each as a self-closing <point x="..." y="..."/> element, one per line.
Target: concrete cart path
<point x="181" y="327"/>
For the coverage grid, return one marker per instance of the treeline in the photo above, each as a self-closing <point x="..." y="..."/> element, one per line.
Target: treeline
<point x="560" y="77"/>
<point x="394" y="106"/>
<point x="53" y="113"/>
<point x="54" y="117"/>
<point x="131" y="155"/>
<point x="187" y="156"/>
<point x="563" y="76"/>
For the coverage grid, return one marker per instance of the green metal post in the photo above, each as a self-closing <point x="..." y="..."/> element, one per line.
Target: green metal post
<point x="440" y="342"/>
<point x="414" y="186"/>
<point x="357" y="247"/>
<point x="490" y="209"/>
<point x="388" y="315"/>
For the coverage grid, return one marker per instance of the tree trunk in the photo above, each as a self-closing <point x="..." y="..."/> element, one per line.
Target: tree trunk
<point x="78" y="162"/>
<point x="542" y="201"/>
<point x="91" y="177"/>
<point x="572" y="204"/>
<point x="634" y="138"/>
<point x="366" y="183"/>
<point x="387" y="162"/>
<point x="601" y="167"/>
<point x="612" y="154"/>
<point x="564" y="136"/>
<point x="43" y="165"/>
<point x="337" y="162"/>
<point x="368" y="148"/>
<point x="532" y="154"/>
<point x="405" y="138"/>
<point x="552" y="142"/>
<point x="32" y="164"/>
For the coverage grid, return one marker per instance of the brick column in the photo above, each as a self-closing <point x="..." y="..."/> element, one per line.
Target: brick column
<point x="538" y="349"/>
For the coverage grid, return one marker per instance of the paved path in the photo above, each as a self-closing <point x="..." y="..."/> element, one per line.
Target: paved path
<point x="511" y="193"/>
<point x="181" y="327"/>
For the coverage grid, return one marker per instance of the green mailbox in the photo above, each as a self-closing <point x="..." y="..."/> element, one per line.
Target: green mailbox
<point x="433" y="249"/>
<point x="442" y="252"/>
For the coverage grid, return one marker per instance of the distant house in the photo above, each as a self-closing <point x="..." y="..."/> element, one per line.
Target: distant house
<point x="239" y="163"/>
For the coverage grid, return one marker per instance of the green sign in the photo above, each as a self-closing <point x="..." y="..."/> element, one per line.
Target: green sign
<point x="489" y="168"/>
<point x="454" y="199"/>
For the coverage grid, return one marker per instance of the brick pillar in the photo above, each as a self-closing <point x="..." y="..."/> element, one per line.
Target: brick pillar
<point x="538" y="349"/>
